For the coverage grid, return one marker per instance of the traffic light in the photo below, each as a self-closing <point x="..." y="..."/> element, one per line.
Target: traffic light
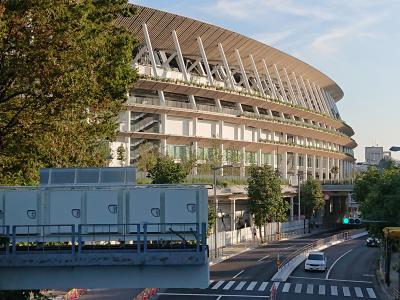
<point x="345" y="220"/>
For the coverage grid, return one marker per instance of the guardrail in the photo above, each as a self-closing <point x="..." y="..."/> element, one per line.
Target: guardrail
<point x="65" y="239"/>
<point x="295" y="258"/>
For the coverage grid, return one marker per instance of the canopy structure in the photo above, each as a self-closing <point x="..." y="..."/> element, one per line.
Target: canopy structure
<point x="392" y="233"/>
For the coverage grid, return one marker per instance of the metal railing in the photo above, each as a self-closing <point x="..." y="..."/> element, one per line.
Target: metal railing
<point x="140" y="238"/>
<point x="310" y="247"/>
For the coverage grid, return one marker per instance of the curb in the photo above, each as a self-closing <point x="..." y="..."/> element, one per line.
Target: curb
<point x="283" y="274"/>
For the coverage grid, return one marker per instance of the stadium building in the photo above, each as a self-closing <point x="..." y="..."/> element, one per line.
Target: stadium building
<point x="202" y="87"/>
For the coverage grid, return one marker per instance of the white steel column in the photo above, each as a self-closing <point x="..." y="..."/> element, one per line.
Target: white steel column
<point x="320" y="101"/>
<point x="192" y="102"/>
<point x="300" y="96"/>
<point x="205" y="61"/>
<point x="218" y="104"/>
<point x="290" y="86"/>
<point x="243" y="162"/>
<point x="180" y="57"/>
<point x="312" y="96"/>
<point x="306" y="93"/>
<point x="305" y="167"/>
<point x="226" y="65"/>
<point x="221" y="129"/>
<point x="281" y="84"/>
<point x="296" y="165"/>
<point x="259" y="156"/>
<point x="150" y="49"/>
<point x="259" y="84"/>
<point x="233" y="214"/>
<point x="274" y="160"/>
<point x="242" y="70"/>
<point x="321" y="168"/>
<point x="273" y="87"/>
<point x="328" y="168"/>
<point x="324" y="104"/>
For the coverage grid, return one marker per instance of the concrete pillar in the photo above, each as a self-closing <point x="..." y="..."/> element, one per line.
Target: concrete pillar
<point x="328" y="168"/>
<point x="305" y="167"/>
<point x="195" y="153"/>
<point x="296" y="164"/>
<point x="221" y="129"/>
<point x="243" y="162"/>
<point x="221" y="171"/>
<point x="314" y="161"/>
<point x="162" y="98"/>
<point x="259" y="156"/>
<point x="284" y="165"/>
<point x="321" y="168"/>
<point x="273" y="160"/>
<point x="128" y="151"/>
<point x="233" y="214"/>
<point x="163" y="147"/>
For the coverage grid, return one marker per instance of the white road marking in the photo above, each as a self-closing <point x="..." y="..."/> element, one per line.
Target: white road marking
<point x="211" y="295"/>
<point x="368" y="275"/>
<point x="240" y="285"/>
<point x="334" y="290"/>
<point x="359" y="293"/>
<point x="321" y="289"/>
<point x="334" y="263"/>
<point x="218" y="284"/>
<point x="251" y="286"/>
<point x="341" y="280"/>
<point x="276" y="284"/>
<point x="297" y="289"/>
<point x="263" y="286"/>
<point x="219" y="297"/>
<point x="261" y="259"/>
<point x="371" y="293"/>
<point x="310" y="288"/>
<point x="229" y="285"/>
<point x="286" y="287"/>
<point x="238" y="274"/>
<point x="346" y="291"/>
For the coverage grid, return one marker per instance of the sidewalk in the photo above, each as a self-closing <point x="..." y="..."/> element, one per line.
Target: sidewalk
<point x="394" y="277"/>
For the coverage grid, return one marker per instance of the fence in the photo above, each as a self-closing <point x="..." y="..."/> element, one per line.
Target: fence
<point x="27" y="239"/>
<point x="270" y="232"/>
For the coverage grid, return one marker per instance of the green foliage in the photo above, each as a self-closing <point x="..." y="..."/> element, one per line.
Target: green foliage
<point x="212" y="219"/>
<point x="335" y="171"/>
<point x="22" y="295"/>
<point x="148" y="154"/>
<point x="166" y="170"/>
<point x="121" y="154"/>
<point x="312" y="198"/>
<point x="265" y="196"/>
<point x="378" y="194"/>
<point x="64" y="75"/>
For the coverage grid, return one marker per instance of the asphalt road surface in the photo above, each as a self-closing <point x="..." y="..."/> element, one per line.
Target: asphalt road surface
<point x="247" y="276"/>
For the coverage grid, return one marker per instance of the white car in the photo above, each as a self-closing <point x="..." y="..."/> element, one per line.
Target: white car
<point x="315" y="261"/>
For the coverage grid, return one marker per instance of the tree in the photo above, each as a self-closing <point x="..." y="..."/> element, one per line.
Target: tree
<point x="266" y="202"/>
<point x="148" y="154"/>
<point x="378" y="194"/>
<point x="121" y="154"/>
<point x="64" y="75"/>
<point x="311" y="197"/>
<point x="166" y="170"/>
<point x="335" y="171"/>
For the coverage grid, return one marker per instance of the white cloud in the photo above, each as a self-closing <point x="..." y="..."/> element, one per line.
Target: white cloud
<point x="272" y="38"/>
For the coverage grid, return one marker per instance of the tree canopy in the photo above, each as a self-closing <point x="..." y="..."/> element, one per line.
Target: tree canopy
<point x="378" y="194"/>
<point x="311" y="196"/>
<point x="165" y="170"/>
<point x="266" y="201"/>
<point x="65" y="69"/>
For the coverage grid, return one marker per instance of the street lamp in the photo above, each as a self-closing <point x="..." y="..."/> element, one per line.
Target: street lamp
<point x="215" y="169"/>
<point x="299" y="175"/>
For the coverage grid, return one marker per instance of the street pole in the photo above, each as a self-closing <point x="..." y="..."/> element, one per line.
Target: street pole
<point x="216" y="213"/>
<point x="298" y="190"/>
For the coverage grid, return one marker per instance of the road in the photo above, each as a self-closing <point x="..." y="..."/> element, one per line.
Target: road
<point x="247" y="276"/>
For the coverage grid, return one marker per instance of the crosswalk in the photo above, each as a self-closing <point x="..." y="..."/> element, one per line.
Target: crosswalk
<point x="296" y="288"/>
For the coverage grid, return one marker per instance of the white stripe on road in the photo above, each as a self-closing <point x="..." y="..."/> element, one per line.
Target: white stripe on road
<point x="251" y="285"/>
<point x="310" y="288"/>
<point x="240" y="285"/>
<point x="286" y="287"/>
<point x="218" y="284"/>
<point x="229" y="285"/>
<point x="261" y="259"/>
<point x="238" y="274"/>
<point x="339" y="280"/>
<point x="371" y="293"/>
<point x="219" y="298"/>
<point x="334" y="290"/>
<point x="334" y="263"/>
<point x="211" y="295"/>
<point x="346" y="291"/>
<point x="358" y="291"/>
<point x="297" y="289"/>
<point x="276" y="284"/>
<point x="321" y="289"/>
<point x="263" y="286"/>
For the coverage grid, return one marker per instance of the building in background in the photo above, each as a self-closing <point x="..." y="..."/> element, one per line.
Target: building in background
<point x="373" y="155"/>
<point x="203" y="87"/>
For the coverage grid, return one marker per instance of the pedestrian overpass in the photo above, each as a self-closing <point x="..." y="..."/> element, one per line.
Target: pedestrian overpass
<point x="102" y="234"/>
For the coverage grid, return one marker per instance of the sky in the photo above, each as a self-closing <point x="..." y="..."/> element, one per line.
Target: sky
<point x="354" y="42"/>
